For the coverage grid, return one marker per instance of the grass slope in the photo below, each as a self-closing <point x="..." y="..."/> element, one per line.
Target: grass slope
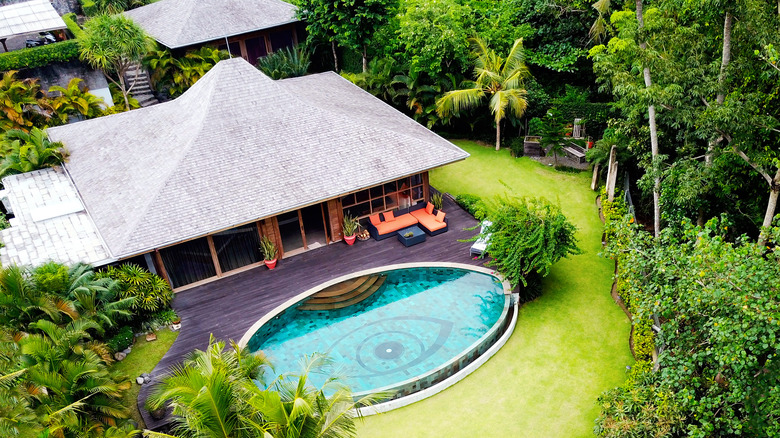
<point x="143" y="359"/>
<point x="569" y="345"/>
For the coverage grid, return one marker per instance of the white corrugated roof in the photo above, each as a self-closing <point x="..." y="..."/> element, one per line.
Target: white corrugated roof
<point x="29" y="17"/>
<point x="50" y="224"/>
<point x="237" y="147"/>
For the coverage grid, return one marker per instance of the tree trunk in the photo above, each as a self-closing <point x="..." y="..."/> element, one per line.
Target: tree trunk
<point x="721" y="96"/>
<point x="774" y="191"/>
<point x="123" y="88"/>
<point x="653" y="132"/>
<point x="365" y="60"/>
<point x="498" y="135"/>
<point x="335" y="56"/>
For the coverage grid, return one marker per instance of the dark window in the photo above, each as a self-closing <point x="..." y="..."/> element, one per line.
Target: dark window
<point x="348" y="200"/>
<point x="376" y="192"/>
<point x="188" y="262"/>
<point x="255" y="48"/>
<point x="281" y="39"/>
<point x="361" y="196"/>
<point x="235" y="48"/>
<point x="237" y="247"/>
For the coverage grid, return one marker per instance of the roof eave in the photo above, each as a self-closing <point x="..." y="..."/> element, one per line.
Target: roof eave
<point x="290" y="208"/>
<point x="181" y="45"/>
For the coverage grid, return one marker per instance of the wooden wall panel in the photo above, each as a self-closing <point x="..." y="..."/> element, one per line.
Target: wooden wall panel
<point x="336" y="218"/>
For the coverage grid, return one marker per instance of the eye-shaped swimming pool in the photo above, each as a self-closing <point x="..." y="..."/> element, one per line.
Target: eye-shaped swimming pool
<point x="401" y="329"/>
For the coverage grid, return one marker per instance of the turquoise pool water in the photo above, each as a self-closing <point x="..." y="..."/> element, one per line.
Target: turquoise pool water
<point x="418" y="320"/>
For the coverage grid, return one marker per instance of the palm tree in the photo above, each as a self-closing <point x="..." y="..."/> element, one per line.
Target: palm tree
<point x="21" y="302"/>
<point x="293" y="408"/>
<point x="215" y="393"/>
<point x="75" y="390"/>
<point x="207" y="392"/>
<point x="29" y="151"/>
<point x="501" y="78"/>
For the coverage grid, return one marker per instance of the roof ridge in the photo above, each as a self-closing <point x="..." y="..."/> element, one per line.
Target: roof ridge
<point x="131" y="228"/>
<point x="182" y="23"/>
<point x="382" y="128"/>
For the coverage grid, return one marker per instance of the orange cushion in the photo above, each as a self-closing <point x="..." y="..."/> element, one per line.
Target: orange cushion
<point x="430" y="223"/>
<point x="429" y="208"/>
<point x="389" y="216"/>
<point x="440" y="216"/>
<point x="375" y="219"/>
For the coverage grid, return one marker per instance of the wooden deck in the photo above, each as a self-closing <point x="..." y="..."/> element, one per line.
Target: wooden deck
<point x="228" y="307"/>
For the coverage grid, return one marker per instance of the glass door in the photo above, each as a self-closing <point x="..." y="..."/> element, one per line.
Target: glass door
<point x="290" y="231"/>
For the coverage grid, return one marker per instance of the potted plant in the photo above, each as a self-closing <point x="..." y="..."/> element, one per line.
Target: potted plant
<point x="268" y="247"/>
<point x="437" y="200"/>
<point x="350" y="229"/>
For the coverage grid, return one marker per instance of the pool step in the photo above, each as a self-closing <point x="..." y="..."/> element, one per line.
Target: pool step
<point x="341" y="288"/>
<point x="325" y="300"/>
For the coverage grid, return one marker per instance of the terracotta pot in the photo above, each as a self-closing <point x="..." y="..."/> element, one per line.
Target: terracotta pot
<point x="350" y="239"/>
<point x="270" y="263"/>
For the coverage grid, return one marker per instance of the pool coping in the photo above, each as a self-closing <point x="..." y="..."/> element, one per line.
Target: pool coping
<point x="244" y="341"/>
<point x="436" y="388"/>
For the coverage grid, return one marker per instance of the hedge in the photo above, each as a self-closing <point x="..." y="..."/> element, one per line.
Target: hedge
<point x="39" y="56"/>
<point x="73" y="26"/>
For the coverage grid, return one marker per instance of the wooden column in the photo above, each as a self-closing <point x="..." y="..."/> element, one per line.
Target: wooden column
<point x="426" y="187"/>
<point x="214" y="257"/>
<point x="336" y="218"/>
<point x="161" y="267"/>
<point x="270" y="228"/>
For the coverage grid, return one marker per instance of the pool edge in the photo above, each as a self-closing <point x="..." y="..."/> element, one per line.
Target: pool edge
<point x="244" y="341"/>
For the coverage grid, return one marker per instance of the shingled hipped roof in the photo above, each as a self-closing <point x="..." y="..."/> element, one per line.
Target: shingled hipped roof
<point x="237" y="147"/>
<point x="181" y="23"/>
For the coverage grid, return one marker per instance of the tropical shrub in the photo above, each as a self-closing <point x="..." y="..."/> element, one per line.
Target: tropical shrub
<point x="177" y="75"/>
<point x="40" y="56"/>
<point x="527" y="236"/>
<point x="74" y="101"/>
<point x="517" y="146"/>
<point x="471" y="203"/>
<point x="121" y="340"/>
<point x="150" y="293"/>
<point x="289" y="62"/>
<point x="437" y="200"/>
<point x="19" y="100"/>
<point x="718" y="304"/>
<point x="73" y="25"/>
<point x="28" y="151"/>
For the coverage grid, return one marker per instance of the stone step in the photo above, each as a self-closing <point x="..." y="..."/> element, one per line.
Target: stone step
<point x="342" y="304"/>
<point x="340" y="288"/>
<point x="347" y="295"/>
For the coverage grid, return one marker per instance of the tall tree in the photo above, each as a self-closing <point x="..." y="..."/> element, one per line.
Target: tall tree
<point x="112" y="44"/>
<point x="349" y="23"/>
<point x="500" y="78"/>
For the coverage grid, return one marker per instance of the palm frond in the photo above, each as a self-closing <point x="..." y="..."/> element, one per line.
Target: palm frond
<point x="453" y="102"/>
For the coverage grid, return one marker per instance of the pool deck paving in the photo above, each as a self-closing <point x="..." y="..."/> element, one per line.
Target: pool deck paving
<point x="228" y="307"/>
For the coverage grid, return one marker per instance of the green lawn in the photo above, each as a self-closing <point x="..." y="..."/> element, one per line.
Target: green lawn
<point x="569" y="345"/>
<point x="143" y="359"/>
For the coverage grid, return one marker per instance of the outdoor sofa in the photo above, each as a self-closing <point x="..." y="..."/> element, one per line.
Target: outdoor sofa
<point x="422" y="215"/>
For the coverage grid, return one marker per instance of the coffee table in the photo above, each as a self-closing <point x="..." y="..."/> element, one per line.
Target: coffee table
<point x="418" y="235"/>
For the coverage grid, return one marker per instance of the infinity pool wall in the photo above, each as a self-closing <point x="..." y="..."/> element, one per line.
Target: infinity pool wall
<point x="426" y="324"/>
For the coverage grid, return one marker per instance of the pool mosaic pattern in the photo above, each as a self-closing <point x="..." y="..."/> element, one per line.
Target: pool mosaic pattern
<point x="419" y="319"/>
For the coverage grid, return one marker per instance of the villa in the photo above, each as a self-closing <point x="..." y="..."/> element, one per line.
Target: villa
<point x="187" y="188"/>
<point x="247" y="28"/>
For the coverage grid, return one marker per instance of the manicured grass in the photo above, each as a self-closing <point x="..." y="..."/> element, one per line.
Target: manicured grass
<point x="143" y="359"/>
<point x="569" y="345"/>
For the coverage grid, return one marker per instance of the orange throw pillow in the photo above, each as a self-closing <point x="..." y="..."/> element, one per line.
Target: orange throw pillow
<point x="375" y="219"/>
<point x="440" y="216"/>
<point x="389" y="216"/>
<point x="429" y="208"/>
